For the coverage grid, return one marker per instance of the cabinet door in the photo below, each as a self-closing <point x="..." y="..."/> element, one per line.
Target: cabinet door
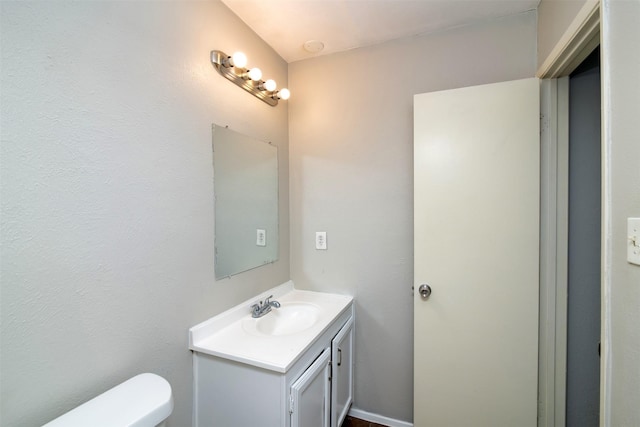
<point x="310" y="395"/>
<point x="342" y="372"/>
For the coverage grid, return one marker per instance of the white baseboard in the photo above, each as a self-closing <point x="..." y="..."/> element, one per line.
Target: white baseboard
<point x="375" y="418"/>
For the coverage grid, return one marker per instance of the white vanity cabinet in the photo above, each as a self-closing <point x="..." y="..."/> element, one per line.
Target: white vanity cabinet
<point x="323" y="394"/>
<point x="342" y="374"/>
<point x="276" y="381"/>
<point x="311" y="393"/>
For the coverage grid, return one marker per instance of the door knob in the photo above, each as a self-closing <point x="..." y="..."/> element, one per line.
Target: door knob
<point x="425" y="291"/>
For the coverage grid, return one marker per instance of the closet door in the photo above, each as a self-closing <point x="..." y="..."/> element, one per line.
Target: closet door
<point x="309" y="403"/>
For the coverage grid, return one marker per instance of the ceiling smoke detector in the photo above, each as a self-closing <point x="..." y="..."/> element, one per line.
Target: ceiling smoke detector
<point x="313" y="46"/>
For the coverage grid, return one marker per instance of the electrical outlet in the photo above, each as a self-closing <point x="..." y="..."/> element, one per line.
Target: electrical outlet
<point x="261" y="237"/>
<point x="321" y="240"/>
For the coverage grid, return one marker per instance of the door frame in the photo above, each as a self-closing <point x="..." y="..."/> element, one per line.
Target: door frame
<point x="581" y="37"/>
<point x="554" y="225"/>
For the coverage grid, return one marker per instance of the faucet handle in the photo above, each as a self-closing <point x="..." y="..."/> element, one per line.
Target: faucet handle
<point x="266" y="300"/>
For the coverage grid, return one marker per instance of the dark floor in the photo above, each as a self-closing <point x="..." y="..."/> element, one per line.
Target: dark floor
<point x="356" y="422"/>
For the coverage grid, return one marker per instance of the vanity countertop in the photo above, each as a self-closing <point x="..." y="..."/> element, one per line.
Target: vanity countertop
<point x="233" y="334"/>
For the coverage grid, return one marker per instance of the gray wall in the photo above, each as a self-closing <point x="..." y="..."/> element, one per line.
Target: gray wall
<point x="107" y="194"/>
<point x="621" y="100"/>
<point x="351" y="144"/>
<point x="583" y="317"/>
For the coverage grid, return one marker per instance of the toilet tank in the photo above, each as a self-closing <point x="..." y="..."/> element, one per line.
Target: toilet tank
<point x="142" y="401"/>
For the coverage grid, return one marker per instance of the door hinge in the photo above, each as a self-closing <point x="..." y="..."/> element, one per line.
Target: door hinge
<point x="544" y="124"/>
<point x="290" y="404"/>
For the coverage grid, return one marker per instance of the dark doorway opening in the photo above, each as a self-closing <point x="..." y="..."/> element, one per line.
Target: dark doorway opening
<point x="583" y="321"/>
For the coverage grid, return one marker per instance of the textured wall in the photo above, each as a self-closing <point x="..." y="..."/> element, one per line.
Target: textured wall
<point x="621" y="102"/>
<point x="107" y="194"/>
<point x="351" y="144"/>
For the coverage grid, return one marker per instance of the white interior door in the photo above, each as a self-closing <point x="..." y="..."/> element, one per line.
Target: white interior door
<point x="476" y="189"/>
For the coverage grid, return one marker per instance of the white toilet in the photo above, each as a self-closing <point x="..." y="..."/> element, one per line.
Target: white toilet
<point x="142" y="401"/>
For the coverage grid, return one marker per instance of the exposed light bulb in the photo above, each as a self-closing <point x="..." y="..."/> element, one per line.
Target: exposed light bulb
<point x="239" y="60"/>
<point x="284" y="94"/>
<point x="270" y="85"/>
<point x="255" y="74"/>
<point x="234" y="68"/>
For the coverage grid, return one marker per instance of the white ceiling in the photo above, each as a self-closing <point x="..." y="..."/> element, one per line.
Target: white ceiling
<point x="347" y="24"/>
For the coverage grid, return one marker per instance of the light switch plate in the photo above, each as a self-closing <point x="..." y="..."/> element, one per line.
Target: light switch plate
<point x="633" y="240"/>
<point x="261" y="237"/>
<point x="321" y="240"/>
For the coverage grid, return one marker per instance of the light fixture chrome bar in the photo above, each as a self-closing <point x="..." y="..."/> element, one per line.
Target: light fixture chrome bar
<point x="218" y="58"/>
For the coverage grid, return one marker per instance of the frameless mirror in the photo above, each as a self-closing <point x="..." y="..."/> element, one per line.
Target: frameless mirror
<point x="245" y="172"/>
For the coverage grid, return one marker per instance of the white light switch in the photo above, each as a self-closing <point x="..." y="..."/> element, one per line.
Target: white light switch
<point x="261" y="237"/>
<point x="633" y="240"/>
<point x="321" y="240"/>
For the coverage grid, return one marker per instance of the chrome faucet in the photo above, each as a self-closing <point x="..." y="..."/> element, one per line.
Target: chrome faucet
<point x="263" y="307"/>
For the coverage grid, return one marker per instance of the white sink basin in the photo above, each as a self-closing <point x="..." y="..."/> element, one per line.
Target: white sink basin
<point x="276" y="340"/>
<point x="291" y="318"/>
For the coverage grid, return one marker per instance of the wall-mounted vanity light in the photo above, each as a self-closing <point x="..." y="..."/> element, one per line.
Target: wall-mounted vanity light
<point x="234" y="68"/>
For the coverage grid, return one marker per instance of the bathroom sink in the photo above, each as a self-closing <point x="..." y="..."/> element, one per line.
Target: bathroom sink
<point x="292" y="317"/>
<point x="276" y="340"/>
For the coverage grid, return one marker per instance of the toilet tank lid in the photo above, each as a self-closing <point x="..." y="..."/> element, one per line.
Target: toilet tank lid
<point x="142" y="401"/>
